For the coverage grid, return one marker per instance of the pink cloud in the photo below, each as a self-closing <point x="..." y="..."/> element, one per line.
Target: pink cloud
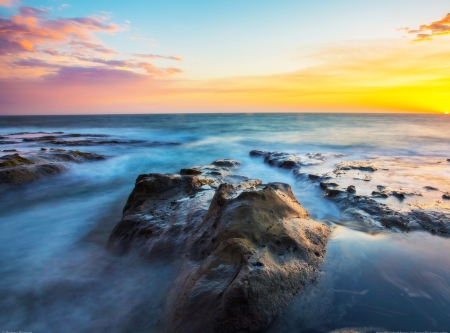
<point x="92" y="46"/>
<point x="6" y="3"/>
<point x="23" y="32"/>
<point x="149" y="67"/>
<point x="32" y="12"/>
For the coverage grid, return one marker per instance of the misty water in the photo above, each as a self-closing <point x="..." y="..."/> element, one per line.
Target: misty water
<point x="56" y="276"/>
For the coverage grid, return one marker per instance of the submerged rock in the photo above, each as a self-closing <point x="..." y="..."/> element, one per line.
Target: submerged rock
<point x="16" y="169"/>
<point x="247" y="249"/>
<point x="226" y="162"/>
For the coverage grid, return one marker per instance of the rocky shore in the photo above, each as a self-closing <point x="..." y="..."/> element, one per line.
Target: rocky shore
<point x="246" y="248"/>
<point x="384" y="207"/>
<point x="18" y="168"/>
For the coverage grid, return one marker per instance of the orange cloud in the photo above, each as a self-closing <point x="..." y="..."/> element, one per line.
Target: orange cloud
<point x="435" y="29"/>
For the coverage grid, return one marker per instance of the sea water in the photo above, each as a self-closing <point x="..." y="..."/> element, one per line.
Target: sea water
<point x="56" y="276"/>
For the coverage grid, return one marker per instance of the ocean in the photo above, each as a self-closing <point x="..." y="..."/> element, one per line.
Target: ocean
<point x="56" y="276"/>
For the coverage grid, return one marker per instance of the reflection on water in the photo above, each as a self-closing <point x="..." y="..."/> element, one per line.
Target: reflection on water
<point x="55" y="275"/>
<point x="393" y="281"/>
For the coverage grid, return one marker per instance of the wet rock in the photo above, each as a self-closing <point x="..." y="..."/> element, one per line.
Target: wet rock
<point x="15" y="169"/>
<point x="2" y="142"/>
<point x="9" y="150"/>
<point x="351" y="189"/>
<point x="314" y="176"/>
<point x="43" y="149"/>
<point x="446" y="196"/>
<point x="333" y="192"/>
<point x="226" y="162"/>
<point x="381" y="194"/>
<point x="325" y="185"/>
<point x="258" y="153"/>
<point x="356" y="165"/>
<point x="13" y="160"/>
<point x="247" y="249"/>
<point x="278" y="159"/>
<point x="190" y="171"/>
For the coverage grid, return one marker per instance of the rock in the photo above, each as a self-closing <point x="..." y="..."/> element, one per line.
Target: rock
<point x="2" y="142"/>
<point x="351" y="189"/>
<point x="190" y="171"/>
<point x="13" y="160"/>
<point x="43" y="149"/>
<point x="382" y="194"/>
<point x="15" y="169"/>
<point x="355" y="165"/>
<point x="446" y="195"/>
<point x="278" y="159"/>
<point x="448" y="159"/>
<point x="431" y="188"/>
<point x="9" y="150"/>
<point x="333" y="192"/>
<point x="325" y="185"/>
<point x="23" y="174"/>
<point x="226" y="162"/>
<point x="246" y="249"/>
<point x="314" y="176"/>
<point x="258" y="153"/>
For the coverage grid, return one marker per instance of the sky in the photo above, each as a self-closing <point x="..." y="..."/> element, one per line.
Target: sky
<point x="102" y="57"/>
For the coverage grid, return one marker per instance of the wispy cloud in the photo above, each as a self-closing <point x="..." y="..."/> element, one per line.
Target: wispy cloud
<point x="427" y="32"/>
<point x="155" y="56"/>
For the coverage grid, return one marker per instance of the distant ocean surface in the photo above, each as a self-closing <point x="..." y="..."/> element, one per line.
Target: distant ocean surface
<point x="55" y="275"/>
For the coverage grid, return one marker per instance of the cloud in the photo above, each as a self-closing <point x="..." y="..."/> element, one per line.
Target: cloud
<point x="6" y="3"/>
<point x="34" y="45"/>
<point x="30" y="62"/>
<point x="31" y="28"/>
<point x="150" y="68"/>
<point x="32" y="12"/>
<point x="154" y="56"/>
<point x="92" y="46"/>
<point x="435" y="29"/>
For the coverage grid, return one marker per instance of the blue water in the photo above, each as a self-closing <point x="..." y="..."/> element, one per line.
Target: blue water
<point x="55" y="275"/>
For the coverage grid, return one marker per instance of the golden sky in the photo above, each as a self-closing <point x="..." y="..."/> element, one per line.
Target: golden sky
<point x="52" y="64"/>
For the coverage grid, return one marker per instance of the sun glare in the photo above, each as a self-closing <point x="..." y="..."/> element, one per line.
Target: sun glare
<point x="446" y="112"/>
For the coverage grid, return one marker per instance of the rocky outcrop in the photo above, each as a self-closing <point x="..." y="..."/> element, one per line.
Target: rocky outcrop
<point x="247" y="248"/>
<point x="15" y="168"/>
<point x="373" y="209"/>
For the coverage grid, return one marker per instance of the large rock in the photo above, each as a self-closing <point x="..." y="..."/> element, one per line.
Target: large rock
<point x="247" y="249"/>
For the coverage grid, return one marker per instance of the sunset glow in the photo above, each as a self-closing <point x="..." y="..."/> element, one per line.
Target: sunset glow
<point x="81" y="58"/>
